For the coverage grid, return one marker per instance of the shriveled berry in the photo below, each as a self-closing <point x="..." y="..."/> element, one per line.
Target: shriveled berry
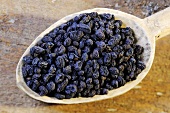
<point x="24" y="71"/>
<point x="89" y="72"/>
<point x="67" y="42"/>
<point x="129" y="52"/>
<point x="46" y="77"/>
<point x="42" y="64"/>
<point x="80" y="73"/>
<point x="92" y="93"/>
<point x="85" y="28"/>
<point x="95" y="74"/>
<point x="95" y="65"/>
<point x="29" y="70"/>
<point x="95" y="53"/>
<point x="29" y="83"/>
<point x="96" y="81"/>
<point x="89" y="81"/>
<point x="109" y="87"/>
<point x="43" y="90"/>
<point x="38" y="50"/>
<point x="121" y="81"/>
<point x="101" y="45"/>
<point x="49" y="45"/>
<point x="104" y="91"/>
<point x="52" y="55"/>
<point x="76" y="82"/>
<point x="118" y="23"/>
<point x="47" y="39"/>
<point x="107" y="59"/>
<point x="36" y="76"/>
<point x="61" y="49"/>
<point x="86" y="49"/>
<point x="50" y="86"/>
<point x="60" y="96"/>
<point x="141" y="65"/>
<point x="90" y="86"/>
<point x="139" y="49"/>
<point x="68" y="77"/>
<point x="37" y="70"/>
<point x="89" y="42"/>
<point x="115" y="83"/>
<point x="114" y="70"/>
<point x="81" y="44"/>
<point x="113" y="55"/>
<point x="104" y="71"/>
<point x="100" y="61"/>
<point x="59" y="78"/>
<point x="82" y="78"/>
<point x="67" y="69"/>
<point x="35" y="85"/>
<point x="112" y="42"/>
<point x="99" y="33"/>
<point x="72" y="48"/>
<point x="60" y="63"/>
<point x="71" y="88"/>
<point x="52" y="69"/>
<point x="62" y="85"/>
<point x="75" y="43"/>
<point x="121" y="68"/>
<point x="35" y="61"/>
<point x="27" y="59"/>
<point x="84" y="57"/>
<point x="78" y="65"/>
<point x="82" y="84"/>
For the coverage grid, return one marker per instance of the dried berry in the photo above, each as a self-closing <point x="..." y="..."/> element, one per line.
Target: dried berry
<point x="78" y="65"/>
<point x="71" y="88"/>
<point x="104" y="71"/>
<point x="96" y="74"/>
<point x="89" y="42"/>
<point x="35" y="85"/>
<point x="67" y="42"/>
<point x="38" y="50"/>
<point x="42" y="64"/>
<point x="43" y="90"/>
<point x="27" y="59"/>
<point x="62" y="85"/>
<point x="95" y="54"/>
<point x="59" y="78"/>
<point x="60" y="96"/>
<point x="50" y="86"/>
<point x="36" y="76"/>
<point x="60" y="63"/>
<point x="84" y="57"/>
<point x="52" y="69"/>
<point x="35" y="61"/>
<point x="67" y="69"/>
<point x="85" y="28"/>
<point x="104" y="91"/>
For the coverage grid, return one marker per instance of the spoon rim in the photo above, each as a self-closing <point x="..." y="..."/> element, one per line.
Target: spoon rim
<point x="119" y="91"/>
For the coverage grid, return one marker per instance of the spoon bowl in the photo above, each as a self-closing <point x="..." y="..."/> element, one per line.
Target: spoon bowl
<point x="146" y="31"/>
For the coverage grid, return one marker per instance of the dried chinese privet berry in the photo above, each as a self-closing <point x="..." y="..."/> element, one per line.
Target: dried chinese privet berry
<point x="86" y="56"/>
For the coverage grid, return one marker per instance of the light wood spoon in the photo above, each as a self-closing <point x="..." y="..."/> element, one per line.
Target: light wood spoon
<point x="147" y="31"/>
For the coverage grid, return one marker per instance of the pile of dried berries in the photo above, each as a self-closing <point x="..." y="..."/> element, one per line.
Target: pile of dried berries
<point x="89" y="55"/>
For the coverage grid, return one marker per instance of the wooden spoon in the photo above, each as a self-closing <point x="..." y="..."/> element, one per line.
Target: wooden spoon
<point x="146" y="30"/>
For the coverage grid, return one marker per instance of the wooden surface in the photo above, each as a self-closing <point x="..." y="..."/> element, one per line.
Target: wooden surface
<point x="21" y="21"/>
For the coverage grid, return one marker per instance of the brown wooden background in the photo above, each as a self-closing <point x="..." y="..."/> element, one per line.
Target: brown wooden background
<point x="22" y="20"/>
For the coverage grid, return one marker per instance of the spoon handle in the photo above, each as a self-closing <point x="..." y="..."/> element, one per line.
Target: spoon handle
<point x="159" y="23"/>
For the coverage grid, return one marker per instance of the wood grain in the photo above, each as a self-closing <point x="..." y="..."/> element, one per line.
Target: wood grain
<point x="152" y="96"/>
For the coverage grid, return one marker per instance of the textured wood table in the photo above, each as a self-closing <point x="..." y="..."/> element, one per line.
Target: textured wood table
<point x="22" y="20"/>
